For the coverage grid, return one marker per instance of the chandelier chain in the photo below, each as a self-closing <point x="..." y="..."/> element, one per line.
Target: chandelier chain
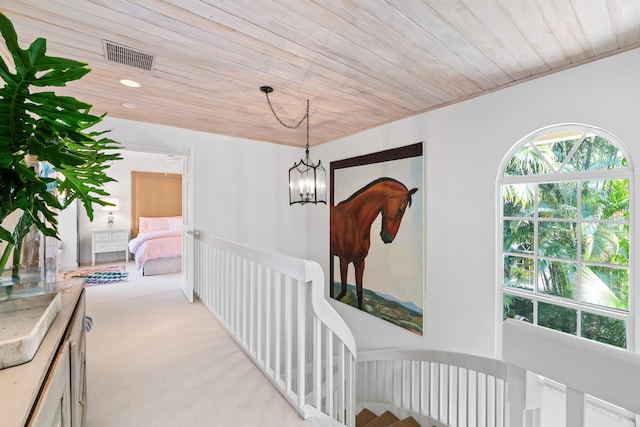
<point x="307" y="146"/>
<point x="296" y="126"/>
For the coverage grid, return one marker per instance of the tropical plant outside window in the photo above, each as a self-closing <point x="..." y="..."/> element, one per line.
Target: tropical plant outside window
<point x="565" y="201"/>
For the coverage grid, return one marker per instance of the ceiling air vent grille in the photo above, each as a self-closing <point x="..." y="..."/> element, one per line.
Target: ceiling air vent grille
<point x="125" y="55"/>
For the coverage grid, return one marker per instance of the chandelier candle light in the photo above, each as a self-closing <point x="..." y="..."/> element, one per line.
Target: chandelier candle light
<point x="307" y="181"/>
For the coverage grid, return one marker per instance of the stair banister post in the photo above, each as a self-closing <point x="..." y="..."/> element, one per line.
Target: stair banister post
<point x="516" y="391"/>
<point x="575" y="415"/>
<point x="327" y="315"/>
<point x="323" y="310"/>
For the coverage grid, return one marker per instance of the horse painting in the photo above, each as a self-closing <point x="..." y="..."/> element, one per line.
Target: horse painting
<point x="351" y="222"/>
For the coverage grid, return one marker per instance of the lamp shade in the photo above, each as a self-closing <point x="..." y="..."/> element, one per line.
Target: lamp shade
<point x="115" y="204"/>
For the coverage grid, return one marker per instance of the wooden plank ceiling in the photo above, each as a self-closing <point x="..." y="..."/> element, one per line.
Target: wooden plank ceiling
<point x="361" y="63"/>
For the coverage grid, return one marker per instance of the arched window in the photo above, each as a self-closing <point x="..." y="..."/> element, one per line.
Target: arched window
<point x="565" y="217"/>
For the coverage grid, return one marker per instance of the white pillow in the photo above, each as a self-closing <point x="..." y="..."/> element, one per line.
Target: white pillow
<point x="148" y="224"/>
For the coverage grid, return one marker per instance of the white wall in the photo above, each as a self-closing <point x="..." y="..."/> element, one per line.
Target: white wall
<point x="240" y="186"/>
<point x="465" y="145"/>
<point x="69" y="238"/>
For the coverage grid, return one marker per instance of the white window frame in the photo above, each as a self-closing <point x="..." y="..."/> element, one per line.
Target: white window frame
<point x="536" y="297"/>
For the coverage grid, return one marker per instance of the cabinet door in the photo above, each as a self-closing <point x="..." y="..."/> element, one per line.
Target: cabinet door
<point x="54" y="406"/>
<point x="77" y="337"/>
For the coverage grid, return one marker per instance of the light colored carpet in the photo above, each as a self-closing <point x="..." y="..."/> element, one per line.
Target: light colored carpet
<point x="153" y="359"/>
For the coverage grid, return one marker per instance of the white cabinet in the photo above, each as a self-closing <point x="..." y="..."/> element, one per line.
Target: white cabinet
<point x="50" y="389"/>
<point x="109" y="240"/>
<point x="63" y="399"/>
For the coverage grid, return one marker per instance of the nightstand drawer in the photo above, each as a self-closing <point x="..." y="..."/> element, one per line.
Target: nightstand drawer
<point x="110" y="246"/>
<point x="102" y="236"/>
<point x="110" y="236"/>
<point x="119" y="235"/>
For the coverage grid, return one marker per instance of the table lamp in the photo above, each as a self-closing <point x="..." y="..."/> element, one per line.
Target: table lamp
<point x="115" y="206"/>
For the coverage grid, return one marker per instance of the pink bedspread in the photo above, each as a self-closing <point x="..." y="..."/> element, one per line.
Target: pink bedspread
<point x="156" y="244"/>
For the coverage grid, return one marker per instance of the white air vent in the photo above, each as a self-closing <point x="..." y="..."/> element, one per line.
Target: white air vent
<point x="125" y="55"/>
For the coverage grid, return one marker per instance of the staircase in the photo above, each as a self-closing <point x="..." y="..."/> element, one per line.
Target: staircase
<point x="366" y="418"/>
<point x="275" y="309"/>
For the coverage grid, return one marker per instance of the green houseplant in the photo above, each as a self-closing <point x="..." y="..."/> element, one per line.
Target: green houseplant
<point x="39" y="126"/>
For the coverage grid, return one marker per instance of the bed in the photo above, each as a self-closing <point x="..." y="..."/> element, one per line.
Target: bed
<point x="157" y="248"/>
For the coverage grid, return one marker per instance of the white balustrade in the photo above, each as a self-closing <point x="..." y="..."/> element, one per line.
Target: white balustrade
<point x="435" y="387"/>
<point x="274" y="308"/>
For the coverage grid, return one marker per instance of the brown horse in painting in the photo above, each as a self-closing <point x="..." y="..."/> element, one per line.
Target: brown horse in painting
<point x="351" y="223"/>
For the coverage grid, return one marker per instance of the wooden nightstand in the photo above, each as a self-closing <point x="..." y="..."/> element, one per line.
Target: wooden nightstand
<point x="109" y="240"/>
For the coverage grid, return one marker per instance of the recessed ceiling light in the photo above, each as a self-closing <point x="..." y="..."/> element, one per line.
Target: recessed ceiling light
<point x="128" y="105"/>
<point x="130" y="83"/>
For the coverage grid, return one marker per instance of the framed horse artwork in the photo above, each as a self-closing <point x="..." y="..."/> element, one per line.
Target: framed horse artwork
<point x="377" y="234"/>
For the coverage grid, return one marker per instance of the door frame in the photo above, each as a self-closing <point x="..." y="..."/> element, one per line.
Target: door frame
<point x="188" y="233"/>
<point x="185" y="155"/>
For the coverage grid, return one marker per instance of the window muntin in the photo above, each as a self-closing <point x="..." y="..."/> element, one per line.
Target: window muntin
<point x="566" y="227"/>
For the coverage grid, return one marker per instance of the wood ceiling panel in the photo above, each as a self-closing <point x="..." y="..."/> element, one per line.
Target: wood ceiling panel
<point x="456" y="50"/>
<point x="561" y="17"/>
<point x="457" y="15"/>
<point x="446" y="84"/>
<point x="596" y="22"/>
<point x="387" y="51"/>
<point x="313" y="33"/>
<point x="533" y="25"/>
<point x="268" y="58"/>
<point x="360" y="63"/>
<point x="494" y="17"/>
<point x="625" y="18"/>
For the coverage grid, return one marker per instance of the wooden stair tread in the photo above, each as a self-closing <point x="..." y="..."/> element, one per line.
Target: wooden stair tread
<point x="383" y="420"/>
<point x="366" y="418"/>
<point x="407" y="422"/>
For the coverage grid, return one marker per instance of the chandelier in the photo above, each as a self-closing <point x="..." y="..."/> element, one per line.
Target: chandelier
<point x="307" y="181"/>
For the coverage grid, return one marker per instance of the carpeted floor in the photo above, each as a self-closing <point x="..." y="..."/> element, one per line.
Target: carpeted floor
<point x="155" y="360"/>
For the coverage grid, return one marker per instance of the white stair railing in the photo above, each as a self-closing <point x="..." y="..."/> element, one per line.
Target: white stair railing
<point x="273" y="306"/>
<point x="435" y="387"/>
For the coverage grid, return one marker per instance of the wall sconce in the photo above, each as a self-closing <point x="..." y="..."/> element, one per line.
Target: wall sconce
<point x="307" y="181"/>
<point x="113" y="207"/>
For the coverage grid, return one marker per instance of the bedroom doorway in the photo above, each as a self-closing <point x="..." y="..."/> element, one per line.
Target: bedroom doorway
<point x="157" y="193"/>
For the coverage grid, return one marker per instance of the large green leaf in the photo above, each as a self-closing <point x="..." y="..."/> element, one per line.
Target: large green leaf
<point x="52" y="128"/>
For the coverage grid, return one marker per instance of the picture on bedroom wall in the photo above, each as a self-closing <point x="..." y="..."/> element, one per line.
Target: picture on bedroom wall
<point x="377" y="234"/>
